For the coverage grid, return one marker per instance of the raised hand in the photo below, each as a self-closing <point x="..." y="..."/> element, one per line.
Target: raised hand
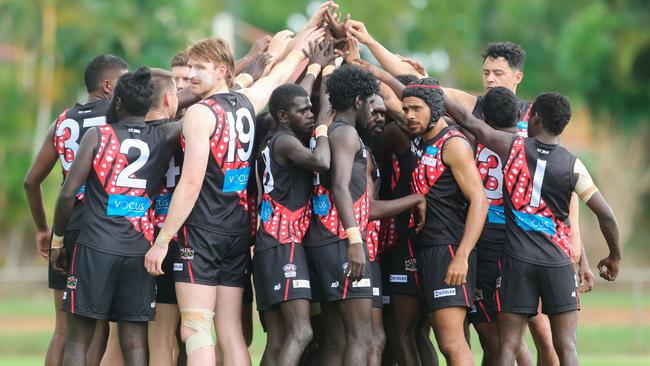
<point x="317" y="19"/>
<point x="259" y="46"/>
<point x="258" y="65"/>
<point x="415" y="64"/>
<point x="359" y="31"/>
<point x="279" y="43"/>
<point x="321" y="53"/>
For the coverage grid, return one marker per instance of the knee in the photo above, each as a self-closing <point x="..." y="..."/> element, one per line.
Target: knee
<point x="452" y="346"/>
<point x="378" y="340"/>
<point x="196" y="328"/>
<point x="564" y="344"/>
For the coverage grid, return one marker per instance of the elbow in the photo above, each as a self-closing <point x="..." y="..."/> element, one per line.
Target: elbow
<point x="29" y="184"/>
<point x="322" y="166"/>
<point x="481" y="204"/>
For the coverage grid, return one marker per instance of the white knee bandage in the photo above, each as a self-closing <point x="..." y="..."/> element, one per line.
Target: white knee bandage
<point x="200" y="321"/>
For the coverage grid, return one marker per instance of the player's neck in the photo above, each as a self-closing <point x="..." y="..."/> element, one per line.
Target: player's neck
<point x="548" y="139"/>
<point x="348" y="116"/>
<point x="439" y="126"/>
<point x="155" y="115"/>
<point x="97" y="95"/>
<point x="219" y="88"/>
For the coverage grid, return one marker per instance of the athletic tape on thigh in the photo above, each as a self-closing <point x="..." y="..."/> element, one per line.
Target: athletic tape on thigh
<point x="200" y="321"/>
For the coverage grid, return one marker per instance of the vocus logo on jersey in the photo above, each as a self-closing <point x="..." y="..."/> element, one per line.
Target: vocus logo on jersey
<point x="496" y="215"/>
<point x="531" y="222"/>
<point x="236" y="180"/>
<point x="162" y="204"/>
<point x="127" y="206"/>
<point x="321" y="204"/>
<point x="266" y="211"/>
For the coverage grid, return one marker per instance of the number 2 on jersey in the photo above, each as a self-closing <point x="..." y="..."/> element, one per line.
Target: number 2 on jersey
<point x="124" y="178"/>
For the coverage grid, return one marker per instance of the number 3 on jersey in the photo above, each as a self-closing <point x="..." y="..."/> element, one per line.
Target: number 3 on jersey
<point x="70" y="144"/>
<point x="493" y="181"/>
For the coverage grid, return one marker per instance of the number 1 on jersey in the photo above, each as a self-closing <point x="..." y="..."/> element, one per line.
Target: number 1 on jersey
<point x="538" y="180"/>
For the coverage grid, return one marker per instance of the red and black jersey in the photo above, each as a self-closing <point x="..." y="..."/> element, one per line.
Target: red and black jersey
<point x="403" y="165"/>
<point x="539" y="180"/>
<point x="286" y="209"/>
<point x="522" y="105"/>
<point x="128" y="167"/>
<point x="172" y="176"/>
<point x="70" y="127"/>
<point x="222" y="206"/>
<point x="373" y="230"/>
<point x="325" y="227"/>
<point x="490" y="169"/>
<point x="446" y="204"/>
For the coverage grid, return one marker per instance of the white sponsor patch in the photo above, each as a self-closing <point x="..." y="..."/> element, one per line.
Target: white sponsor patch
<point x="153" y="305"/>
<point x="444" y="292"/>
<point x="385" y="299"/>
<point x="300" y="284"/>
<point x="398" y="278"/>
<point x="65" y="295"/>
<point x="334" y="284"/>
<point x="277" y="287"/>
<point x="375" y="291"/>
<point x="428" y="160"/>
<point x="364" y="282"/>
<point x="178" y="267"/>
<point x="573" y="294"/>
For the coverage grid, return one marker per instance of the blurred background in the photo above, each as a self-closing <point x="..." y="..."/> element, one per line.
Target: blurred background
<point x="597" y="52"/>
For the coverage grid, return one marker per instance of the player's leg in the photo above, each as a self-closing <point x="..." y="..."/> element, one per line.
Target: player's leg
<point x="488" y="334"/>
<point x="79" y="333"/>
<point x="113" y="354"/>
<point x="540" y="330"/>
<point x="447" y="325"/>
<point x="378" y="339"/>
<point x="298" y="331"/>
<point x="196" y="304"/>
<point x="511" y="331"/>
<point x="564" y="327"/>
<point x="406" y="312"/>
<point x="524" y="358"/>
<point x="275" y="332"/>
<point x="357" y="320"/>
<point x="54" y="355"/>
<point x="133" y="342"/>
<point x="426" y="349"/>
<point x="334" y="335"/>
<point x="228" y="321"/>
<point x="162" y="334"/>
<point x="98" y="345"/>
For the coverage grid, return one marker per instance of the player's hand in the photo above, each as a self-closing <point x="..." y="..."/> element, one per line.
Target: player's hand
<point x="43" y="238"/>
<point x="356" y="261"/>
<point x="420" y="214"/>
<point x="304" y="38"/>
<point x="317" y="19"/>
<point x="279" y="43"/>
<point x="259" y="46"/>
<point x="258" y="65"/>
<point x="359" y="31"/>
<point x="58" y="261"/>
<point x="320" y="53"/>
<point x="608" y="267"/>
<point x="353" y="53"/>
<point x="415" y="64"/>
<point x="333" y="20"/>
<point x="586" y="278"/>
<point x="457" y="271"/>
<point x="154" y="259"/>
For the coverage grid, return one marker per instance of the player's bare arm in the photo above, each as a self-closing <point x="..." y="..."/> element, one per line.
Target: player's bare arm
<point x="77" y="176"/>
<point x="346" y="145"/>
<point x="588" y="193"/>
<point x="459" y="156"/>
<point x="495" y="140"/>
<point x="41" y="167"/>
<point x="197" y="150"/>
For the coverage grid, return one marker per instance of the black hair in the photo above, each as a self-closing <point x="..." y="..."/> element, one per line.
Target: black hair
<point x="554" y="110"/>
<point x="135" y="92"/>
<point x="349" y="82"/>
<point x="282" y="98"/>
<point x="406" y="79"/>
<point x="500" y="107"/>
<point x="97" y="68"/>
<point x="430" y="92"/>
<point x="512" y="52"/>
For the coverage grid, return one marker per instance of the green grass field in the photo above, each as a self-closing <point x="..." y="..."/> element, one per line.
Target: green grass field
<point x="608" y="333"/>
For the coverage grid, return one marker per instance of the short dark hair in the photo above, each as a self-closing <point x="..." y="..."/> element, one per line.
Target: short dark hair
<point x="161" y="81"/>
<point x="135" y="91"/>
<point x="406" y="79"/>
<point x="283" y="96"/>
<point x="512" y="52"/>
<point x="500" y="107"/>
<point x="430" y="92"/>
<point x="180" y="59"/>
<point x="349" y="82"/>
<point x="97" y="68"/>
<point x="554" y="110"/>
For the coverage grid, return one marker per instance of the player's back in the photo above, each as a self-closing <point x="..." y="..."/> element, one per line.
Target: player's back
<point x="128" y="166"/>
<point x="539" y="180"/>
<point x="222" y="205"/>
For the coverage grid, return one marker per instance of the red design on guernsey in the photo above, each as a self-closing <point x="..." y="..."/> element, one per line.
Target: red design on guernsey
<point x="284" y="225"/>
<point x="490" y="163"/>
<point x="431" y="167"/>
<point x="361" y="209"/>
<point x="372" y="238"/>
<point x="108" y="163"/>
<point x="519" y="185"/>
<point x="387" y="234"/>
<point x="252" y="215"/>
<point x="395" y="174"/>
<point x="219" y="146"/>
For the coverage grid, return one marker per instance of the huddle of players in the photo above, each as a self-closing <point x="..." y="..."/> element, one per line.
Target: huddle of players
<point x="317" y="237"/>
